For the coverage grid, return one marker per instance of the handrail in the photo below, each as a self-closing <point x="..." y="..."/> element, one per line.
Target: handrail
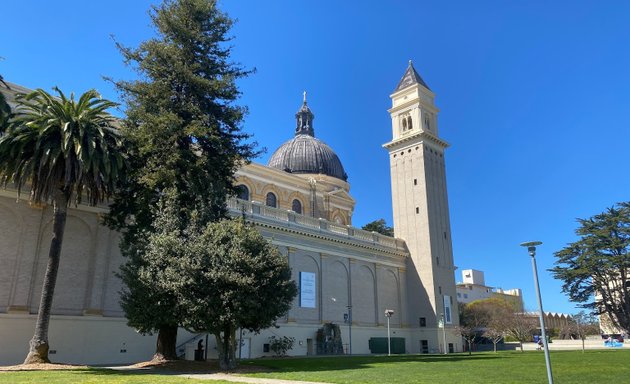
<point x="183" y="345"/>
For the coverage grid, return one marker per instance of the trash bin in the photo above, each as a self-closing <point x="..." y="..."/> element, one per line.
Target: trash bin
<point x="199" y="356"/>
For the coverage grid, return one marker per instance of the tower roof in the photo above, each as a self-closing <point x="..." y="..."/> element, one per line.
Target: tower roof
<point x="409" y="78"/>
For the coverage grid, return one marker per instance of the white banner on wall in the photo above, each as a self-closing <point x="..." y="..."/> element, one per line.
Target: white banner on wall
<point x="307" y="290"/>
<point x="447" y="310"/>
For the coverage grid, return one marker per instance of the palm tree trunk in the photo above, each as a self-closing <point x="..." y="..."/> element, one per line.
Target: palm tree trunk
<point x="38" y="352"/>
<point x="166" y="348"/>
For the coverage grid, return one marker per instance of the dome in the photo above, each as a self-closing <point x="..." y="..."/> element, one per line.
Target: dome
<point x="306" y="154"/>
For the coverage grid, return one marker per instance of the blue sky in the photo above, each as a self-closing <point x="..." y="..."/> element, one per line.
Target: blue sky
<point x="534" y="100"/>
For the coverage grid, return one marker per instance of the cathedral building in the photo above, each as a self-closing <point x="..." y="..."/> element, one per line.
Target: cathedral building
<point x="351" y="281"/>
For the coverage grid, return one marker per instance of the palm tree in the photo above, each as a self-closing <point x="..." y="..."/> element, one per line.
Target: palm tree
<point x="5" y="108"/>
<point x="63" y="148"/>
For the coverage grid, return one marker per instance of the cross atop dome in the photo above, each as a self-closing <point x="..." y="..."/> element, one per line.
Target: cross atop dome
<point x="410" y="78"/>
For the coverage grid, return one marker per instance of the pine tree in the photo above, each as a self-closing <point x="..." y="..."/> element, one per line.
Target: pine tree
<point x="595" y="269"/>
<point x="184" y="134"/>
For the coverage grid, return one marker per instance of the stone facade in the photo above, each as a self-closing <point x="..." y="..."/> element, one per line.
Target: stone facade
<point x="353" y="275"/>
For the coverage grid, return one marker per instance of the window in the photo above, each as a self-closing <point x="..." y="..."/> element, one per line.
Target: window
<point x="465" y="295"/>
<point x="409" y="124"/>
<point x="271" y="200"/>
<point x="424" y="346"/>
<point x="296" y="206"/>
<point x="404" y="124"/>
<point x="417" y="210"/>
<point x="440" y="289"/>
<point x="415" y="181"/>
<point x="423" y="321"/>
<point x="242" y="192"/>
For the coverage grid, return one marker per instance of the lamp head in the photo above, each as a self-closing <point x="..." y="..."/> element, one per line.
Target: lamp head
<point x="389" y="312"/>
<point x="531" y="247"/>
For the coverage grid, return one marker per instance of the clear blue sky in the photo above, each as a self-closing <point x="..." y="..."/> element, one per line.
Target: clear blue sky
<point x="534" y="99"/>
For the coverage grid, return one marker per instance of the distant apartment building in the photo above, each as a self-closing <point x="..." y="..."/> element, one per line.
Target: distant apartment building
<point x="473" y="287"/>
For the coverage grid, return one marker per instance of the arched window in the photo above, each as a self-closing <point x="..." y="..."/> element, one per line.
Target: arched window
<point x="242" y="192"/>
<point x="404" y="124"/>
<point x="409" y="123"/>
<point x="296" y="206"/>
<point x="271" y="200"/>
<point x="338" y="220"/>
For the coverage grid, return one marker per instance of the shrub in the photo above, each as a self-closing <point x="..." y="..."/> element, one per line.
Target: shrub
<point x="281" y="345"/>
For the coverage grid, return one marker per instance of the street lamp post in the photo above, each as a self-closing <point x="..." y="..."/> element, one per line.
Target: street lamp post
<point x="531" y="248"/>
<point x="388" y="314"/>
<point x="350" y="329"/>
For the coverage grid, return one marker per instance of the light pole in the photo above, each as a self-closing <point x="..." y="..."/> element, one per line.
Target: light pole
<point x="388" y="314"/>
<point x="350" y="329"/>
<point x="531" y="248"/>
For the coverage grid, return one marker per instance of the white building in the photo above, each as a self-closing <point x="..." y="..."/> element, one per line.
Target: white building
<point x="473" y="287"/>
<point x="300" y="201"/>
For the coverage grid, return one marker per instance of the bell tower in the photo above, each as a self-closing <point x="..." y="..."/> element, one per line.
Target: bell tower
<point x="420" y="205"/>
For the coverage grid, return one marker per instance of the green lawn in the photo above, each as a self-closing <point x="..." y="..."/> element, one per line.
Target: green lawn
<point x="595" y="366"/>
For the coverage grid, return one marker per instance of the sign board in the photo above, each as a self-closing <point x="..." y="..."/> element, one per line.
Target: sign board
<point x="447" y="310"/>
<point x="307" y="290"/>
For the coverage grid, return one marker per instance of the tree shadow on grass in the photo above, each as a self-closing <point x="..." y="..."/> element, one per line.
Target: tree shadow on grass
<point x="314" y="364"/>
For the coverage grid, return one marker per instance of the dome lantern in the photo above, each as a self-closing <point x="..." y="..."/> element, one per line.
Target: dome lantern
<point x="304" y="120"/>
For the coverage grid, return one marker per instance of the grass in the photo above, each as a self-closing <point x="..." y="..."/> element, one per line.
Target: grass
<point x="595" y="366"/>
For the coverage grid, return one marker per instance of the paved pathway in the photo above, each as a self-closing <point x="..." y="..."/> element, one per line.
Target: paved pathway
<point x="213" y="376"/>
<point x="243" y="379"/>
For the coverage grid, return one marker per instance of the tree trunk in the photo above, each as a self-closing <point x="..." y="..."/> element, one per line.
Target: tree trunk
<point x="520" y="343"/>
<point x="226" y="346"/>
<point x="166" y="348"/>
<point x="38" y="351"/>
<point x="495" y="347"/>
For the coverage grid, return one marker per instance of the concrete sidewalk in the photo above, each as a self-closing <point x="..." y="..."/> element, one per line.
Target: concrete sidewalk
<point x="243" y="379"/>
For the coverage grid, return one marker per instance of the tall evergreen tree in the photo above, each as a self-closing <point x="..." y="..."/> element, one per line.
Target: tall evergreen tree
<point x="185" y="132"/>
<point x="596" y="268"/>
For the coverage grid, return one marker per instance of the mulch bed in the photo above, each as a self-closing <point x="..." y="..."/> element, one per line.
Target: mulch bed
<point x="165" y="366"/>
<point x="41" y="367"/>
